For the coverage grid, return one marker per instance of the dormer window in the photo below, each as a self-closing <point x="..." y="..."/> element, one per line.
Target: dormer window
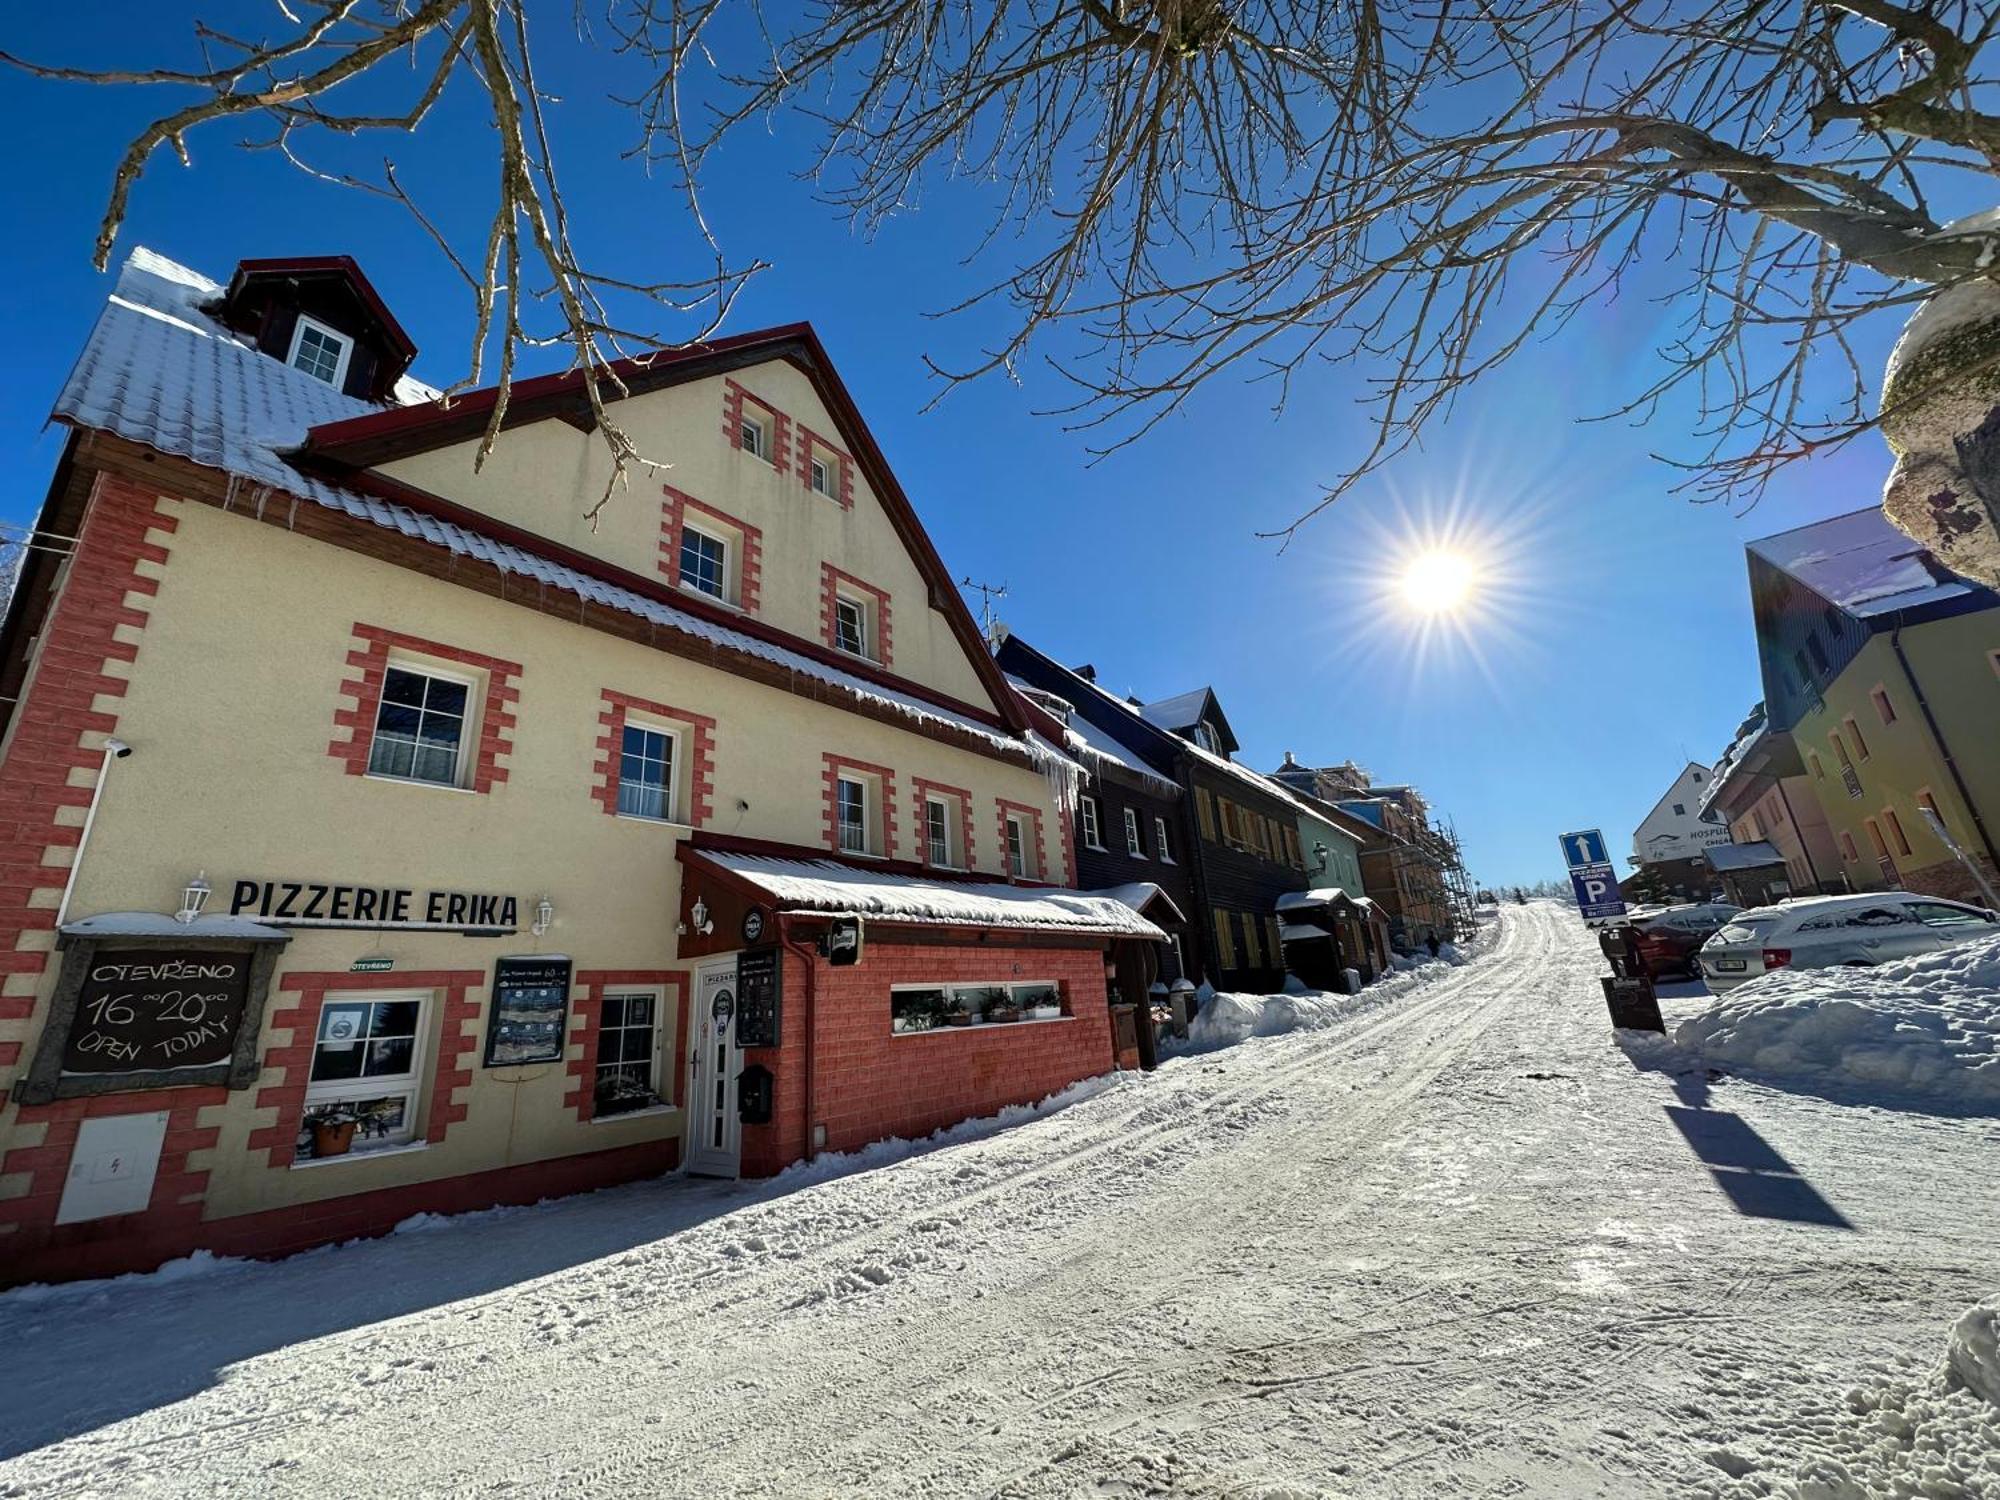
<point x="320" y="352"/>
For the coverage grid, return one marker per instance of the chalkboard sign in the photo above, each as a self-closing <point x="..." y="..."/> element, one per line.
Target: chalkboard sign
<point x="153" y="1009"/>
<point x="758" y="996"/>
<point x="530" y="1011"/>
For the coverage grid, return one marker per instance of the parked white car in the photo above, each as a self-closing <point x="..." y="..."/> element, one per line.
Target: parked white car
<point x="1820" y="932"/>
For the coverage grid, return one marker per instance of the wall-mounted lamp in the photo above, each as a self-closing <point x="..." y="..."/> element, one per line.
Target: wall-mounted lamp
<point x="194" y="896"/>
<point x="702" y="924"/>
<point x="545" y="916"/>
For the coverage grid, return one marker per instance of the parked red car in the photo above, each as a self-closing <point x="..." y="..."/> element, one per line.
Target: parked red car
<point x="1668" y="940"/>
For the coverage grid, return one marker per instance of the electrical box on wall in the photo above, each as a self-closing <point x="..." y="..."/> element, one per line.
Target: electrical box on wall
<point x="112" y="1167"/>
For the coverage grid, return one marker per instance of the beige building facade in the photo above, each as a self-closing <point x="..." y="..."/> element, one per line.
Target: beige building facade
<point x="372" y="814"/>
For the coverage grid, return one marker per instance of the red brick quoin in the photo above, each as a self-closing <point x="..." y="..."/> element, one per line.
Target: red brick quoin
<point x="673" y="515"/>
<point x="921" y="828"/>
<point x="587" y="1010"/>
<point x="370" y="660"/>
<point x="57" y="730"/>
<point x="451" y="1070"/>
<point x="830" y="581"/>
<point x="699" y="736"/>
<point x="830" y="768"/>
<point x="734" y="399"/>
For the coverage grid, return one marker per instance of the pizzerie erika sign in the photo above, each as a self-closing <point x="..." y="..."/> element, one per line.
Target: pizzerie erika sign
<point x="318" y="903"/>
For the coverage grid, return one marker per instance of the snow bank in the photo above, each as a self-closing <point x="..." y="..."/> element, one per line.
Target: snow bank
<point x="1226" y="1018"/>
<point x="1972" y="1355"/>
<point x="1926" y="1028"/>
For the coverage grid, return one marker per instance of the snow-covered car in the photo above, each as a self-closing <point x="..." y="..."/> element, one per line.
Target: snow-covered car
<point x="1818" y="932"/>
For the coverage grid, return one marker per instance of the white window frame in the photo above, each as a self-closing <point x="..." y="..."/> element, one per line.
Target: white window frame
<point x="349" y="1090"/>
<point x="1160" y="839"/>
<point x="1019" y="860"/>
<point x="842" y="780"/>
<point x="655" y="1070"/>
<point x="1135" y="842"/>
<point x="672" y="734"/>
<point x="724" y="591"/>
<point x="863" y="633"/>
<point x="943" y="805"/>
<point x="748" y="423"/>
<point x="1205" y="737"/>
<point x="820" y="477"/>
<point x="1088" y="824"/>
<point x="468" y="724"/>
<point x="346" y="342"/>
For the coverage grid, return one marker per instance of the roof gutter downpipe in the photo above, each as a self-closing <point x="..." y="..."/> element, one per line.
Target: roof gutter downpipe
<point x="1944" y="746"/>
<point x="114" y="749"/>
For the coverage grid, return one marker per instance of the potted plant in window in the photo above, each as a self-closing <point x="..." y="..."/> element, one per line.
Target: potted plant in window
<point x="958" y="1013"/>
<point x="1044" y="1007"/>
<point x="333" y="1132"/>
<point x="618" y="1095"/>
<point x="1003" y="1010"/>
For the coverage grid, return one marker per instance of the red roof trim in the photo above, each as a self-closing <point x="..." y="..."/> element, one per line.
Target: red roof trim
<point x="313" y="265"/>
<point x="398" y="493"/>
<point x="434" y="424"/>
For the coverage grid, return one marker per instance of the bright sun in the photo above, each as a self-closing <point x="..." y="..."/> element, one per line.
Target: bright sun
<point x="1438" y="582"/>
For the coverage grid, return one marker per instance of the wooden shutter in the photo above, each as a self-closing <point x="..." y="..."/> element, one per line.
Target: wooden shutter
<point x="1277" y="943"/>
<point x="1204" y="807"/>
<point x="1225" y="944"/>
<point x="1251" y="958"/>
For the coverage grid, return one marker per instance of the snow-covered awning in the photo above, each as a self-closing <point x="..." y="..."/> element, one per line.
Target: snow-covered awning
<point x="1743" y="856"/>
<point x="152" y="924"/>
<point x="1144" y="897"/>
<point x="827" y="885"/>
<point x="1326" y="895"/>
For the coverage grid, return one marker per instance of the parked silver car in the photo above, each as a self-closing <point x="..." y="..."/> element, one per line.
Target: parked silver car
<point x="1818" y="932"/>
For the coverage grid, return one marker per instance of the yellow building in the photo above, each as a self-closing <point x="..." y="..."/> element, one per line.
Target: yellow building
<point x="390" y="832"/>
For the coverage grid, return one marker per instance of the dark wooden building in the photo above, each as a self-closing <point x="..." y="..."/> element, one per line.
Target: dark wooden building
<point x="1235" y="832"/>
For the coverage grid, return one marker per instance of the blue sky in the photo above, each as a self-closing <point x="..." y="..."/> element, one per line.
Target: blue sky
<point x="1617" y="641"/>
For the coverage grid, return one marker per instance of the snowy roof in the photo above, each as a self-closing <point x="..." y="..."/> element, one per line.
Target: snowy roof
<point x="1140" y="894"/>
<point x="1094" y="744"/>
<point x="155" y="924"/>
<point x="829" y="886"/>
<point x="1863" y="564"/>
<point x="1326" y="895"/>
<point x="160" y="371"/>
<point x="1743" y="856"/>
<point x="1177" y="712"/>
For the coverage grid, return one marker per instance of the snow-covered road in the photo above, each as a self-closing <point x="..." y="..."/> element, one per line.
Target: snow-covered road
<point x="1455" y="1245"/>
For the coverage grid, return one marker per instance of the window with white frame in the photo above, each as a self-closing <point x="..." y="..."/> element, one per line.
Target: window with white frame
<point x="1160" y="843"/>
<point x="628" y="1049"/>
<point x="646" y="772"/>
<point x="927" y="1007"/>
<point x="1019" y="858"/>
<point x="1135" y="845"/>
<point x="1086" y="817"/>
<point x="420" y="726"/>
<point x="850" y="624"/>
<point x="822" y="477"/>
<point x="851" y="814"/>
<point x="939" y="845"/>
<point x="367" y="1057"/>
<point x="704" y="562"/>
<point x="754" y="435"/>
<point x="320" y="352"/>
<point x="1204" y="736"/>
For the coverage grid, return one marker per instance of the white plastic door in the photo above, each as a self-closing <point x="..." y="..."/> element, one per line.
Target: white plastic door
<point x="715" y="1140"/>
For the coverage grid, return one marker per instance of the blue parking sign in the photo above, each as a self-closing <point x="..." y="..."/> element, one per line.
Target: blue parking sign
<point x="1583" y="849"/>
<point x="1597" y="893"/>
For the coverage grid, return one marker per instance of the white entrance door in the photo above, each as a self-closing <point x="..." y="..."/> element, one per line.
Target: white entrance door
<point x="715" y="1134"/>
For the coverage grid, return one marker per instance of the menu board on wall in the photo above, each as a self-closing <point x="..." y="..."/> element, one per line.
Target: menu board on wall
<point x="758" y="997"/>
<point x="530" y="1011"/>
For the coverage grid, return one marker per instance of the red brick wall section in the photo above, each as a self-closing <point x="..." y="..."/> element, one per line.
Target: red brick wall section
<point x="673" y="513"/>
<point x="734" y="399"/>
<point x="92" y="629"/>
<point x="355" y="727"/>
<point x="1038" y="848"/>
<point x="830" y="768"/>
<point x="920" y="829"/>
<point x="698" y="735"/>
<point x="178" y="1189"/>
<point x="830" y="580"/>
<point x="586" y="1009"/>
<point x="810" y="444"/>
<point x="451" y="1069"/>
<point x="873" y="1083"/>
